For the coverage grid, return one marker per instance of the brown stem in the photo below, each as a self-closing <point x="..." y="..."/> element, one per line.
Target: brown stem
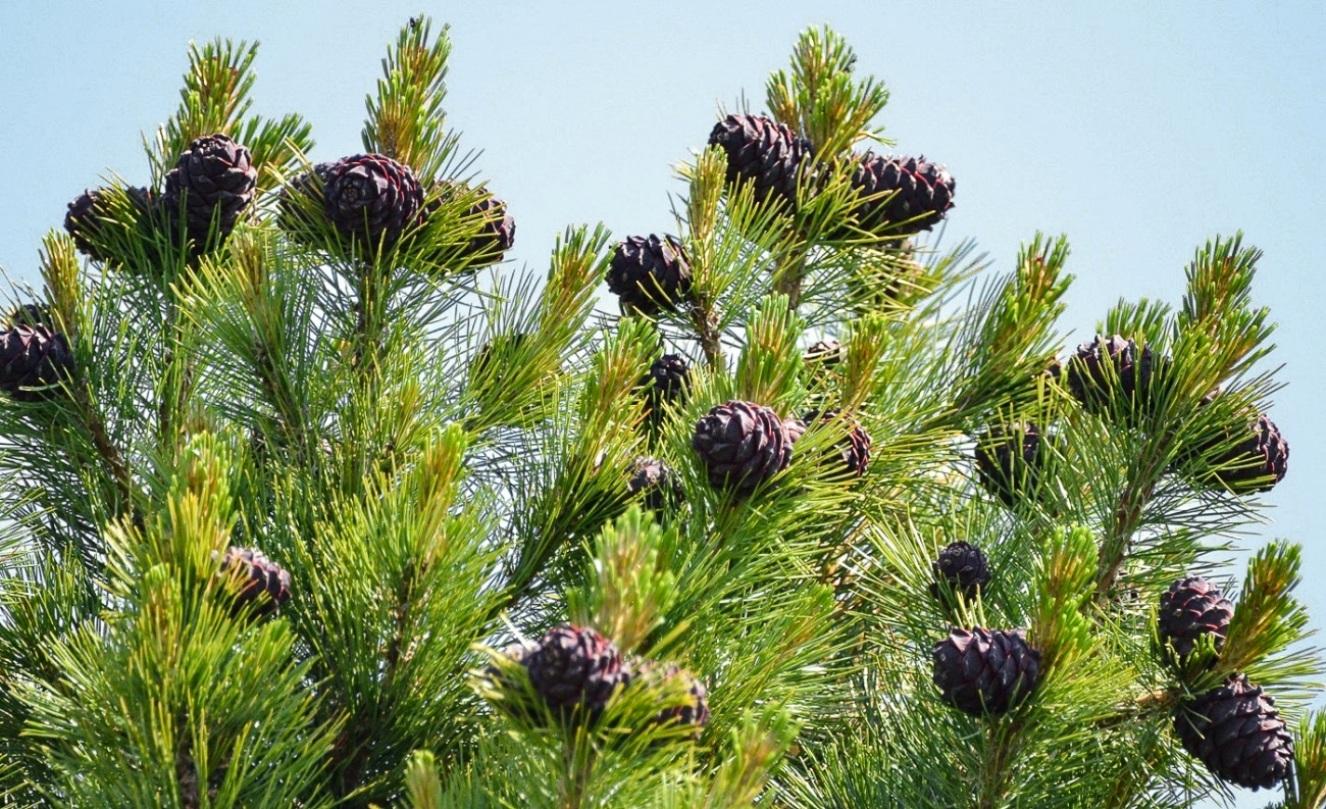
<point x="106" y="449"/>
<point x="577" y="767"/>
<point x="706" y="328"/>
<point x="788" y="277"/>
<point x="1114" y="550"/>
<point x="1000" y="748"/>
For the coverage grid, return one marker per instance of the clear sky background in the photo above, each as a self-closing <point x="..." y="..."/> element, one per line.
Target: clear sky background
<point x="1139" y="129"/>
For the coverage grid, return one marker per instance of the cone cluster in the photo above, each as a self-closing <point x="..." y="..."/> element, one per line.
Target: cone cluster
<point x="204" y="195"/>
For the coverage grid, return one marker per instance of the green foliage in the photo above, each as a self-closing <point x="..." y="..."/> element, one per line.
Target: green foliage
<point x="438" y="453"/>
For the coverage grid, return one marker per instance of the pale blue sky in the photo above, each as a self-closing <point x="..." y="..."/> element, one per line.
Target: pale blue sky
<point x="1139" y="129"/>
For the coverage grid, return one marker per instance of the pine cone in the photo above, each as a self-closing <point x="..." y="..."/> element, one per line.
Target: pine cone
<point x="763" y="152"/>
<point x="33" y="359"/>
<point x="660" y="485"/>
<point x="31" y="314"/>
<point x="212" y="183"/>
<point x="668" y="379"/>
<point x="741" y="445"/>
<point x="265" y="585"/>
<point x="301" y="206"/>
<point x="1236" y="732"/>
<point x="1009" y="460"/>
<point x="823" y="354"/>
<point x="649" y="274"/>
<point x="88" y="215"/>
<point x="574" y="666"/>
<point x="1092" y="385"/>
<point x="985" y="671"/>
<point x="372" y="198"/>
<point x="918" y="192"/>
<point x="695" y="711"/>
<point x="963" y="566"/>
<point x="854" y="449"/>
<point x="1191" y="608"/>
<point x="1258" y="463"/>
<point x="493" y="226"/>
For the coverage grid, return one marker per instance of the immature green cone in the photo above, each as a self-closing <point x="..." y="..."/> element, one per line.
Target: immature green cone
<point x="1237" y="733"/>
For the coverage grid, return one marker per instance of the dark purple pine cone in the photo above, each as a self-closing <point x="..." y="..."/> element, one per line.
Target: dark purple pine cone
<point x="32" y="360"/>
<point x="264" y="585"/>
<point x="695" y="711"/>
<point x="575" y="667"/>
<point x="372" y="198"/>
<point x="823" y="354"/>
<point x="1191" y="608"/>
<point x="649" y="274"/>
<point x="741" y="445"/>
<point x="660" y="486"/>
<point x="963" y="566"/>
<point x="31" y="314"/>
<point x="1237" y="733"/>
<point x="300" y="206"/>
<point x="854" y="449"/>
<point x="212" y="183"/>
<point x="1258" y="463"/>
<point x="667" y="380"/>
<point x="918" y="192"/>
<point x="1093" y="385"/>
<point x="1009" y="460"/>
<point x="985" y="671"/>
<point x="763" y="152"/>
<point x="488" y="218"/>
<point x="86" y="218"/>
